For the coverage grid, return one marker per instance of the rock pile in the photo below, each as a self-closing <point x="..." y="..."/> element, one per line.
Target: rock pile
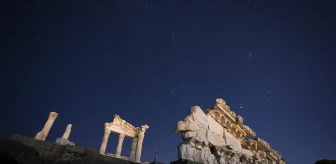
<point x="207" y="140"/>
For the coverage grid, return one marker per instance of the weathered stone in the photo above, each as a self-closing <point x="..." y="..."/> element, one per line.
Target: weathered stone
<point x="33" y="160"/>
<point x="67" y="158"/>
<point x="183" y="162"/>
<point x="49" y="155"/>
<point x="215" y="127"/>
<point x="91" y="160"/>
<point x="41" y="151"/>
<point x="92" y="153"/>
<point x="5" y="144"/>
<point x="16" y="137"/>
<point x="28" y="141"/>
<point x="101" y="161"/>
<point x="204" y="156"/>
<point x="44" y="145"/>
<point x="184" y="126"/>
<point x="202" y="133"/>
<point x="13" y="153"/>
<point x="21" y="157"/>
<point x="18" y="147"/>
<point x="75" y="149"/>
<point x="215" y="139"/>
<point x="79" y="162"/>
<point x="197" y="115"/>
<point x="233" y="142"/>
<point x="63" y="141"/>
<point x="58" y="148"/>
<point x="222" y="131"/>
<point x="107" y="158"/>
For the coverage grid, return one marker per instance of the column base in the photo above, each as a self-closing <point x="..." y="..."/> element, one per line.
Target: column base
<point x="63" y="141"/>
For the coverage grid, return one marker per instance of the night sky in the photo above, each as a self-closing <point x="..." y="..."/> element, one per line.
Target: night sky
<point x="150" y="61"/>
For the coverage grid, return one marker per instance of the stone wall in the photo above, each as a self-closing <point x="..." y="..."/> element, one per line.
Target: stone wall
<point x="28" y="150"/>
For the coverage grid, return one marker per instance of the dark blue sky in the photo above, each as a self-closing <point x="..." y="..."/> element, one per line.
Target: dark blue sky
<point x="149" y="61"/>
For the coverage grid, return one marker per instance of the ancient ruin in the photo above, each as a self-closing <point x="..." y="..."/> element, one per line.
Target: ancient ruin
<point x="216" y="136"/>
<point x="123" y="128"/>
<point x="65" y="138"/>
<point x="213" y="136"/>
<point x="42" y="135"/>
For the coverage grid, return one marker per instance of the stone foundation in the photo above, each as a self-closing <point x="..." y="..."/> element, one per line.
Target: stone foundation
<point x="21" y="149"/>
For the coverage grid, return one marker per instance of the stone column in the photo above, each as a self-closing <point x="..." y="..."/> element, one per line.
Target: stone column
<point x="67" y="132"/>
<point x="134" y="144"/>
<point x="120" y="143"/>
<point x="42" y="135"/>
<point x="104" y="142"/>
<point x="139" y="146"/>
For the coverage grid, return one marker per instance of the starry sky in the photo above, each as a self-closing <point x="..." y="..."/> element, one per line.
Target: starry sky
<point x="151" y="60"/>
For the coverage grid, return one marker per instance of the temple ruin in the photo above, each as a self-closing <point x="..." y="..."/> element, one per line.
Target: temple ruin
<point x="212" y="136"/>
<point x="123" y="128"/>
<point x="216" y="136"/>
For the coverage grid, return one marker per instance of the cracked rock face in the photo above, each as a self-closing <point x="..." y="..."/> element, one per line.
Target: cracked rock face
<point x="207" y="142"/>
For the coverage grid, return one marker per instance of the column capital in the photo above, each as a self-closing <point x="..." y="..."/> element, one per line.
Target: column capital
<point x="107" y="131"/>
<point x="107" y="124"/>
<point x="143" y="128"/>
<point x="52" y="116"/>
<point x="121" y="135"/>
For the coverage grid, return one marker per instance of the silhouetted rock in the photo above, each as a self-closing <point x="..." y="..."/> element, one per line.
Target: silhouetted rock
<point x="326" y="161"/>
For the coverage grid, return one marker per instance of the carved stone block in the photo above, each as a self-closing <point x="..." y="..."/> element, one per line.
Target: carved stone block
<point x="16" y="137"/>
<point x="28" y="141"/>
<point x="33" y="160"/>
<point x="49" y="155"/>
<point x="92" y="153"/>
<point x="41" y="152"/>
<point x="214" y="126"/>
<point x="58" y="148"/>
<point x="75" y="149"/>
<point x="21" y="157"/>
<point x="5" y="144"/>
<point x="44" y="145"/>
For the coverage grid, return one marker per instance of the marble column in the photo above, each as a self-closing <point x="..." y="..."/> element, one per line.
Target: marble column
<point x="42" y="135"/>
<point x="120" y="143"/>
<point x="134" y="144"/>
<point x="104" y="142"/>
<point x="139" y="146"/>
<point x="67" y="132"/>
